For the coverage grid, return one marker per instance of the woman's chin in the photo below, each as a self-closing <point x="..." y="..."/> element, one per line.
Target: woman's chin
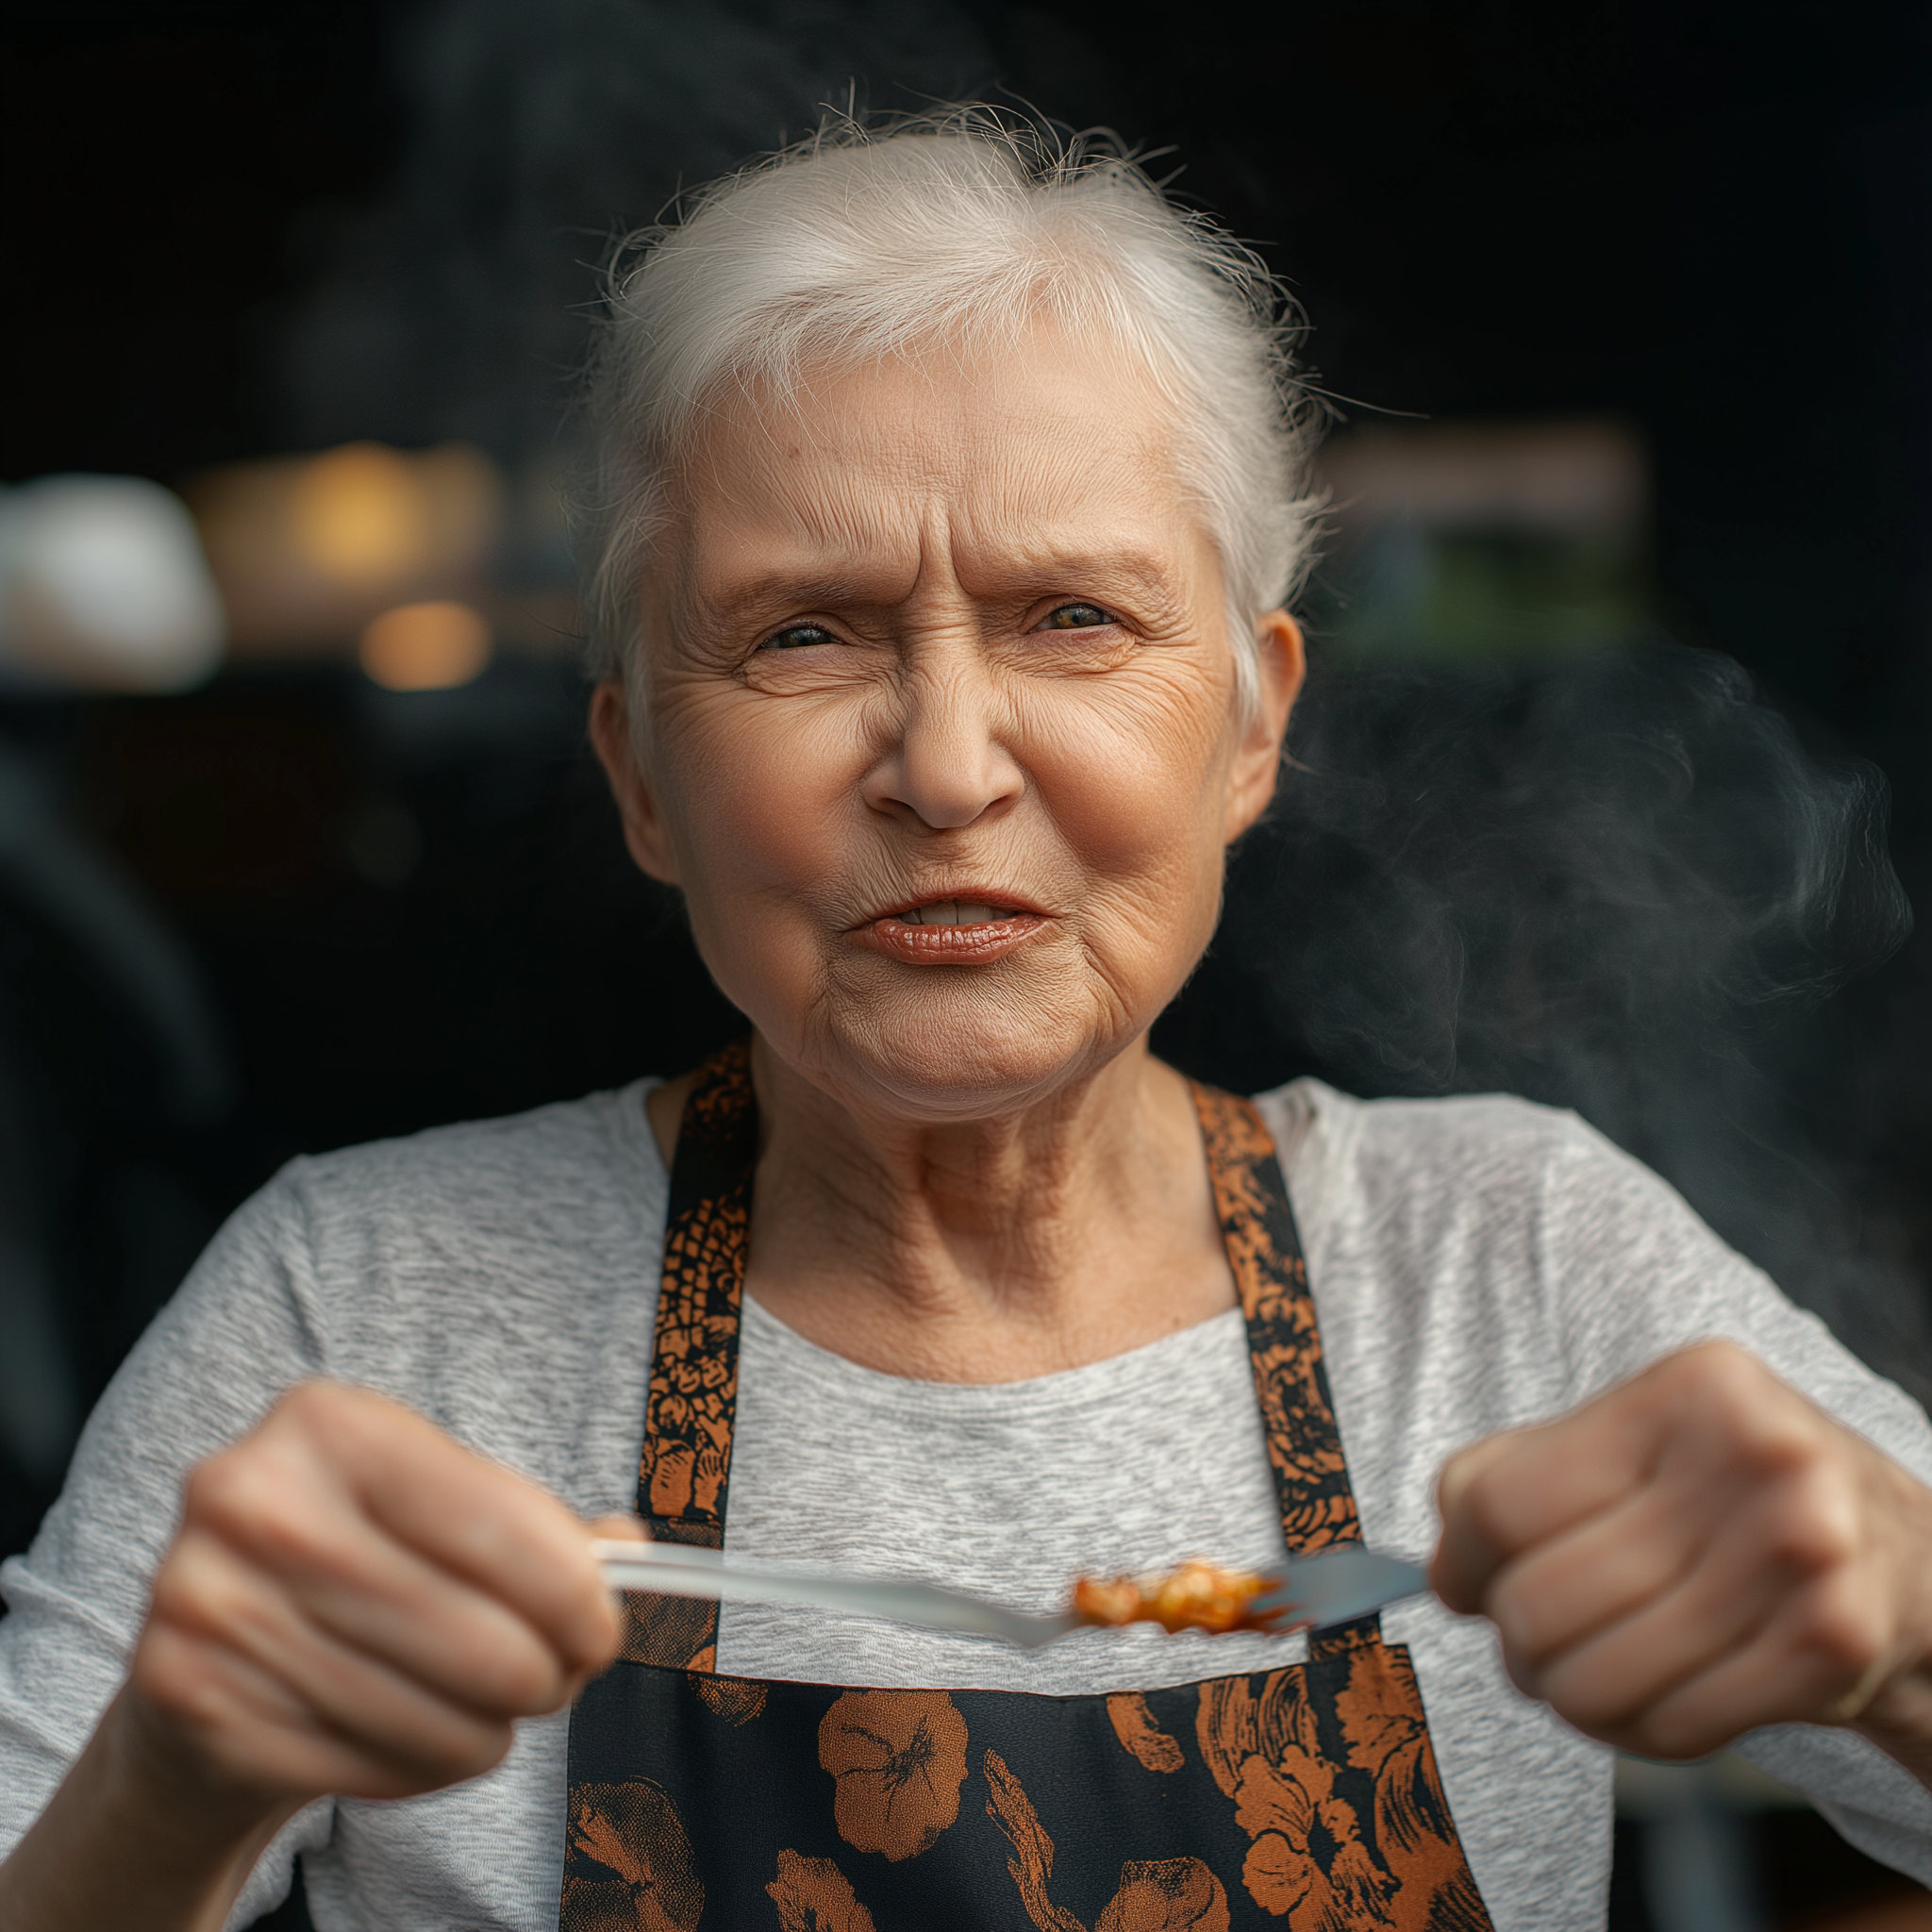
<point x="940" y="1066"/>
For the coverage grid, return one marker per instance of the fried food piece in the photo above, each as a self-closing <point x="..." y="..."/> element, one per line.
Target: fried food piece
<point x="1199" y="1596"/>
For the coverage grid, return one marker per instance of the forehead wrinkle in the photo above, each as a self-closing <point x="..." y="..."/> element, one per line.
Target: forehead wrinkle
<point x="980" y="428"/>
<point x="1053" y="504"/>
<point x="983" y="484"/>
<point x="836" y="560"/>
<point x="1028" y="562"/>
<point x="800" y="547"/>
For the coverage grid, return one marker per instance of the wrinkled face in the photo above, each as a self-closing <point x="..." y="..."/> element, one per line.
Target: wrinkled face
<point x="941" y="737"/>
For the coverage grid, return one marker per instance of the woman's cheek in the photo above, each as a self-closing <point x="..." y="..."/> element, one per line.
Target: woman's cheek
<point x="772" y="833"/>
<point x="776" y="784"/>
<point x="1139" y="794"/>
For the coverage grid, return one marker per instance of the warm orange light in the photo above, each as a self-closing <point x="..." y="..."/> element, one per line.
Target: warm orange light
<point x="306" y="550"/>
<point x="426" y="646"/>
<point x="358" y="513"/>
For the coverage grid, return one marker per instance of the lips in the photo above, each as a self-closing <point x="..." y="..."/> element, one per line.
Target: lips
<point x="951" y="932"/>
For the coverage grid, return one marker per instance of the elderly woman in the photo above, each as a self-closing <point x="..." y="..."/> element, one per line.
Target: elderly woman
<point x="948" y="510"/>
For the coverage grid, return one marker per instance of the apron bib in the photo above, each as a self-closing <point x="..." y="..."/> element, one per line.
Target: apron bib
<point x="1307" y="1794"/>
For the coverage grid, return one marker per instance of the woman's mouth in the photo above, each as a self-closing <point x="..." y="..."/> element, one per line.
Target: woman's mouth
<point x="955" y="932"/>
<point x="953" y="912"/>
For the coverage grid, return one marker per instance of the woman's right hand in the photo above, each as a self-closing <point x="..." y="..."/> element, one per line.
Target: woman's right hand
<point x="354" y="1605"/>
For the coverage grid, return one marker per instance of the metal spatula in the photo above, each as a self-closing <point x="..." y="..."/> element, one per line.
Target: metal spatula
<point x="1328" y="1588"/>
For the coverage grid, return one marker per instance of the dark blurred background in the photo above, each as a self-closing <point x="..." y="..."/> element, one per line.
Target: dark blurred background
<point x="1624" y="314"/>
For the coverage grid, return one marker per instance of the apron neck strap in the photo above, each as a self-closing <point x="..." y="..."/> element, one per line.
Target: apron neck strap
<point x="1264" y="1250"/>
<point x="686" y="1464"/>
<point x="685" y="1470"/>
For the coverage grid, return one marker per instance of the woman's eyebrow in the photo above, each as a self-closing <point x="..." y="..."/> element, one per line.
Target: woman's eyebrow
<point x="1133" y="578"/>
<point x="1080" y="568"/>
<point x="769" y="592"/>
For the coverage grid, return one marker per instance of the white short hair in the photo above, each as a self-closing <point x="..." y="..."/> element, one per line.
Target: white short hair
<point x="964" y="226"/>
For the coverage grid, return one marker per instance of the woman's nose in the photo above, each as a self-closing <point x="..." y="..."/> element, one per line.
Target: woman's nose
<point x="946" y="762"/>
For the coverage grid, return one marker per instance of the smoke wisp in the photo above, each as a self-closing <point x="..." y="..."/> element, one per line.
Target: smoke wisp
<point x="1617" y="884"/>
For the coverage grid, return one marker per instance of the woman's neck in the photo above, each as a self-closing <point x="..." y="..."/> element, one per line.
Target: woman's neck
<point x="987" y="1250"/>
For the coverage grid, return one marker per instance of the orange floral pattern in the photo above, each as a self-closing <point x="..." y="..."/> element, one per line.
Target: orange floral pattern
<point x="1155" y="1895"/>
<point x="1031" y="1864"/>
<point x="687" y="1452"/>
<point x="1339" y="1839"/>
<point x="1387" y="1736"/>
<point x="1307" y="1863"/>
<point x="737" y="1700"/>
<point x="1141" y="1736"/>
<point x="1166" y="1895"/>
<point x="627" y="1866"/>
<point x="1233" y="1723"/>
<point x="676" y="1630"/>
<point x="686" y="1463"/>
<point x="813" y="1895"/>
<point x="899" y="1758"/>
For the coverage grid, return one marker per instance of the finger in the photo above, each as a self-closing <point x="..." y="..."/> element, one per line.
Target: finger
<point x="437" y="1629"/>
<point x="1610" y="1566"/>
<point x="1763" y="1546"/>
<point x="242" y="1734"/>
<point x="1789" y="1565"/>
<point x="1515" y="1489"/>
<point x="367" y="1589"/>
<point x="1684" y="1421"/>
<point x="1816" y="1651"/>
<point x="1587" y="1580"/>
<point x="618" y="1529"/>
<point x="1628" y="1666"/>
<point x="1841" y="1626"/>
<point x="245" y="1732"/>
<point x="1467" y="1555"/>
<point x="495" y="1527"/>
<point x="234" y="1657"/>
<point x="1512" y="1491"/>
<point x="468" y="1515"/>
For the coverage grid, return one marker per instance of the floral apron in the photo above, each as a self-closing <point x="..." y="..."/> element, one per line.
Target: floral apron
<point x="1308" y="1793"/>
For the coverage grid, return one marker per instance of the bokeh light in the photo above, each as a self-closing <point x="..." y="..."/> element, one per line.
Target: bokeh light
<point x="426" y="646"/>
<point x="309" y="550"/>
<point x="103" y="586"/>
<point x="359" y="513"/>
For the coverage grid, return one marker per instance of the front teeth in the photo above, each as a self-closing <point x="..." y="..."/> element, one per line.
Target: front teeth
<point x="951" y="913"/>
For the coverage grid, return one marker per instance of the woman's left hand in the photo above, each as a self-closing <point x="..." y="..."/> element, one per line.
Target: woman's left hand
<point x="1696" y="1553"/>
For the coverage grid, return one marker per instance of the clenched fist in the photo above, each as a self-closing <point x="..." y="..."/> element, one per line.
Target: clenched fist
<point x="354" y="1605"/>
<point x="1698" y="1552"/>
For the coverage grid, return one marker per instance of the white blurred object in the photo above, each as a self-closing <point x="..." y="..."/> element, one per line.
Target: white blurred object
<point x="103" y="584"/>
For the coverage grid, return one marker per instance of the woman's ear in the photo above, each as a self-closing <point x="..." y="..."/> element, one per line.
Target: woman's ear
<point x="643" y="825"/>
<point x="1282" y="665"/>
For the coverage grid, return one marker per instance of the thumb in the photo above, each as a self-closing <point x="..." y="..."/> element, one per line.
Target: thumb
<point x="1468" y="1555"/>
<point x="617" y="1529"/>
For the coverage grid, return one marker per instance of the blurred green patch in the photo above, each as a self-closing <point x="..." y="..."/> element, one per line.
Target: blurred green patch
<point x="1484" y="594"/>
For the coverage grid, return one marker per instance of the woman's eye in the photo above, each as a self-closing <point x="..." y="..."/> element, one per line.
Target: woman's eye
<point x="798" y="636"/>
<point x="1076" y="617"/>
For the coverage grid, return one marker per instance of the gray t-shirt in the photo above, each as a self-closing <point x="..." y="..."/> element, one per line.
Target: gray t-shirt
<point x="1477" y="1264"/>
